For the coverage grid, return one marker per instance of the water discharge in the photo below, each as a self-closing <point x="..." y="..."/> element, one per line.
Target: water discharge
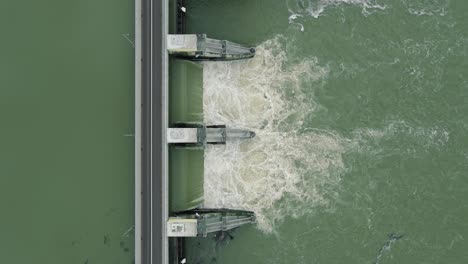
<point x="288" y="169"/>
<point x="283" y="171"/>
<point x="361" y="124"/>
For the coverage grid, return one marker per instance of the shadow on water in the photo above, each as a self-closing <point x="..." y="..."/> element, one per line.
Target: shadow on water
<point x="206" y="250"/>
<point x="223" y="237"/>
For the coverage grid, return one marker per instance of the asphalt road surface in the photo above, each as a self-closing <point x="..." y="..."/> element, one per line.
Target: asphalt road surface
<point x="152" y="239"/>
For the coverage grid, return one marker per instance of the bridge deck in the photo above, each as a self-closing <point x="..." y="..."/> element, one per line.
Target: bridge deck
<point x="151" y="200"/>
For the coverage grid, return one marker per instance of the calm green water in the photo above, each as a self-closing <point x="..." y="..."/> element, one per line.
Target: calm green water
<point x="361" y="123"/>
<point x="66" y="132"/>
<point x="185" y="106"/>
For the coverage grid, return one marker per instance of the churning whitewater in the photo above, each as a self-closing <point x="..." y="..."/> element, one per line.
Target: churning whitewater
<point x="361" y="121"/>
<point x="285" y="170"/>
<point x="289" y="168"/>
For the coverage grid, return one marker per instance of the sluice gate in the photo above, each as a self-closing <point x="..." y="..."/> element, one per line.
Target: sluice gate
<point x="201" y="222"/>
<point x="169" y="91"/>
<point x="199" y="47"/>
<point x="202" y="135"/>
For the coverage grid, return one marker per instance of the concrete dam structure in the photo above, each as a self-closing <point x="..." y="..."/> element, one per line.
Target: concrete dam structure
<point x="170" y="135"/>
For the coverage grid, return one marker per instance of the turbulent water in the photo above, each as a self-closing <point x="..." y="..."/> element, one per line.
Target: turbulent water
<point x="360" y="109"/>
<point x="286" y="165"/>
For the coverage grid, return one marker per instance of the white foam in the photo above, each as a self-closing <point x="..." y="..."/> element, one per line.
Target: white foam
<point x="316" y="8"/>
<point x="282" y="171"/>
<point x="293" y="17"/>
<point x="424" y="138"/>
<point x="427" y="7"/>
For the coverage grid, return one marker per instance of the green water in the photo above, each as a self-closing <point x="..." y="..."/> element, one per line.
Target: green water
<point x="66" y="132"/>
<point x="185" y="106"/>
<point x="394" y="95"/>
<point x="185" y="178"/>
<point x="185" y="92"/>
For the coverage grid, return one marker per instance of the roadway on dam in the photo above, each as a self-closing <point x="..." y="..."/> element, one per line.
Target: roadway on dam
<point x="151" y="243"/>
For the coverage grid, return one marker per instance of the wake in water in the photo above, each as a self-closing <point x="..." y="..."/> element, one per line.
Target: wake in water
<point x="282" y="171"/>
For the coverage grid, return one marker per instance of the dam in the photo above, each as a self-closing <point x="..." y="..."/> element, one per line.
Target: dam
<point x="140" y="137"/>
<point x="170" y="135"/>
